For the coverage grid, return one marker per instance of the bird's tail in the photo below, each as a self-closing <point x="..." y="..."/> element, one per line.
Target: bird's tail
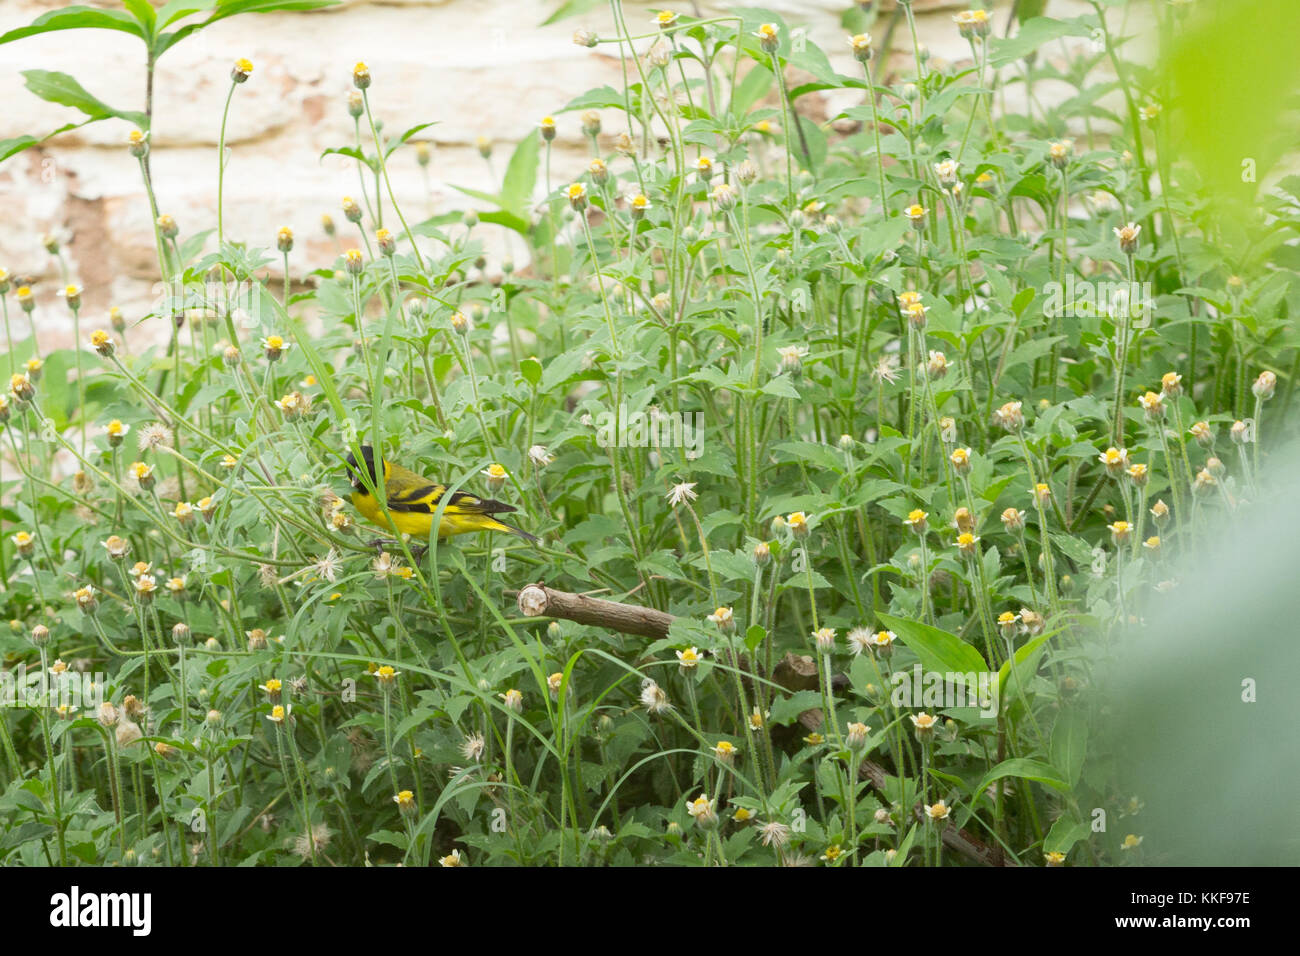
<point x="494" y="524"/>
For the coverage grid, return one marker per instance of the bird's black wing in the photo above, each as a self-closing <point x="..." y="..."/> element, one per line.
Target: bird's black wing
<point x="424" y="499"/>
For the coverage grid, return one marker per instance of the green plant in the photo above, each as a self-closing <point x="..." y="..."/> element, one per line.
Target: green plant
<point x="942" y="378"/>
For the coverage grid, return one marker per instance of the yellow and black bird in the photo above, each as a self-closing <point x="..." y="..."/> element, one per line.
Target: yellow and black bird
<point x="413" y="500"/>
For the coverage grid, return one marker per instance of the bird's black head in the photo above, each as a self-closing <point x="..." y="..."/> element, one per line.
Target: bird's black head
<point x="367" y="455"/>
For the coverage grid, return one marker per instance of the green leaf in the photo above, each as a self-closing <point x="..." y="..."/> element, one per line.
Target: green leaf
<point x="781" y="387"/>
<point x="392" y="146"/>
<point x="754" y="636"/>
<point x="1065" y="833"/>
<point x="603" y="97"/>
<point x="1069" y="744"/>
<point x="220" y="11"/>
<point x="1033" y="34"/>
<point x="144" y="13"/>
<point x="500" y="217"/>
<point x="62" y="89"/>
<point x="1022" y="300"/>
<point x="9" y="147"/>
<point x="815" y="140"/>
<point x="571" y="8"/>
<point x="520" y="177"/>
<point x="230" y="8"/>
<point x="77" y="18"/>
<point x="786" y="710"/>
<point x="755" y="85"/>
<point x="1025" y="768"/>
<point x="531" y="370"/>
<point x="938" y="650"/>
<point x="175" y="10"/>
<point x="1026" y="665"/>
<point x="352" y="153"/>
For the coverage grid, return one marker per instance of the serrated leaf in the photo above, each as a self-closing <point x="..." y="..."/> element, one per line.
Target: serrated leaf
<point x="786" y="709"/>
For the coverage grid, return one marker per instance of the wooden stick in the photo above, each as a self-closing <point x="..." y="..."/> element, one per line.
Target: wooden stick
<point x="537" y="600"/>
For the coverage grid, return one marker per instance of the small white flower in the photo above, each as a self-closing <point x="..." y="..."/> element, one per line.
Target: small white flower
<point x="472" y="747"/>
<point x="682" y="491"/>
<point x="155" y="435"/>
<point x="859" y="640"/>
<point x="328" y="566"/>
<point x="653" y="697"/>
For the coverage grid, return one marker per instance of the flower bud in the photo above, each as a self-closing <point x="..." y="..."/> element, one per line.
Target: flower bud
<point x="137" y="143"/>
<point x="856" y="739"/>
<point x="107" y="715"/>
<point x="860" y="43"/>
<point x="1128" y="238"/>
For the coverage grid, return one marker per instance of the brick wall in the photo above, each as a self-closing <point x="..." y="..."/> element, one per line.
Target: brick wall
<point x="476" y="67"/>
